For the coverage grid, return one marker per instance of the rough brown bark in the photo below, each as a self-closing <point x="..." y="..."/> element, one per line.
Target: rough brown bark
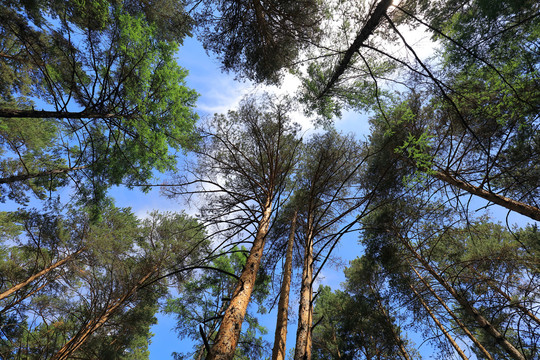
<point x="229" y="331"/>
<point x="511" y="204"/>
<point x="39" y="274"/>
<point x="363" y="35"/>
<point x="481" y="320"/>
<point x="439" y="325"/>
<point x="454" y="317"/>
<point x="82" y="336"/>
<point x="303" y="332"/>
<point x="280" y="339"/>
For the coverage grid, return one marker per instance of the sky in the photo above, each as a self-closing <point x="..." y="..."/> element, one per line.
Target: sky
<point x="220" y="92"/>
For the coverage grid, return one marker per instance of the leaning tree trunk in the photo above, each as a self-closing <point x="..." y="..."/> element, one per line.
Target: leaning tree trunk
<point x="510" y="204"/>
<point x="439" y="325"/>
<point x="280" y="339"/>
<point x="453" y="315"/>
<point x="229" y="331"/>
<point x="305" y="309"/>
<point x="95" y="324"/>
<point x="469" y="309"/>
<point x="38" y="275"/>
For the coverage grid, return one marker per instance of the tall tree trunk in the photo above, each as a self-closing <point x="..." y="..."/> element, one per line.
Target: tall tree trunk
<point x="231" y="325"/>
<point x="395" y="335"/>
<point x="511" y="204"/>
<point x="439" y="325"/>
<point x="454" y="317"/>
<point x="479" y="318"/>
<point x="39" y="274"/>
<point x="82" y="336"/>
<point x="305" y="309"/>
<point x="280" y="339"/>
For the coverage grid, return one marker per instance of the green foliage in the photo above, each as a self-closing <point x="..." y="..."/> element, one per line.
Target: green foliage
<point x="115" y="66"/>
<point x="256" y="39"/>
<point x="203" y="300"/>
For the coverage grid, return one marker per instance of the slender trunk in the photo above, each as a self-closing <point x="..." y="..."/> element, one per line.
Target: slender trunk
<point x="39" y="274"/>
<point x="82" y="336"/>
<point x="396" y="337"/>
<point x="23" y="177"/>
<point x="363" y="35"/>
<point x="338" y="353"/>
<point x="304" y="319"/>
<point x="480" y="319"/>
<point x="280" y="339"/>
<point x="19" y="300"/>
<point x="508" y="298"/>
<point x="454" y="317"/>
<point x="511" y="204"/>
<point x="309" y="342"/>
<point x="231" y="325"/>
<point x="439" y="325"/>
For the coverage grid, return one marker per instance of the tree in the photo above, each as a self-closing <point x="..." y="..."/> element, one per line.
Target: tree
<point x="326" y="194"/>
<point x="280" y="338"/>
<point x="256" y="39"/>
<point x="118" y="107"/>
<point x="355" y="323"/>
<point x="103" y="301"/>
<point x="243" y="168"/>
<point x="203" y="301"/>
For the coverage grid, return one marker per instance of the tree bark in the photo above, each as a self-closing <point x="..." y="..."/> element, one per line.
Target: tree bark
<point x="280" y="339"/>
<point x="454" y="317"/>
<point x="481" y="320"/>
<point x="229" y="331"/>
<point x="39" y="274"/>
<point x="439" y="325"/>
<point x="305" y="310"/>
<point x="511" y="204"/>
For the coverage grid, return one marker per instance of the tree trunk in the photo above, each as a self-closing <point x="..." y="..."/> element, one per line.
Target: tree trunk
<point x="80" y="338"/>
<point x="280" y="339"/>
<point x="481" y="320"/>
<point x="231" y="325"/>
<point x="439" y="325"/>
<point x="363" y="35"/>
<point x="511" y="204"/>
<point x="305" y="310"/>
<point x="454" y="317"/>
<point x="39" y="274"/>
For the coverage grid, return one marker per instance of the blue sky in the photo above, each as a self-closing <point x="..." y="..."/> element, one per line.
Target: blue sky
<point x="219" y="92"/>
